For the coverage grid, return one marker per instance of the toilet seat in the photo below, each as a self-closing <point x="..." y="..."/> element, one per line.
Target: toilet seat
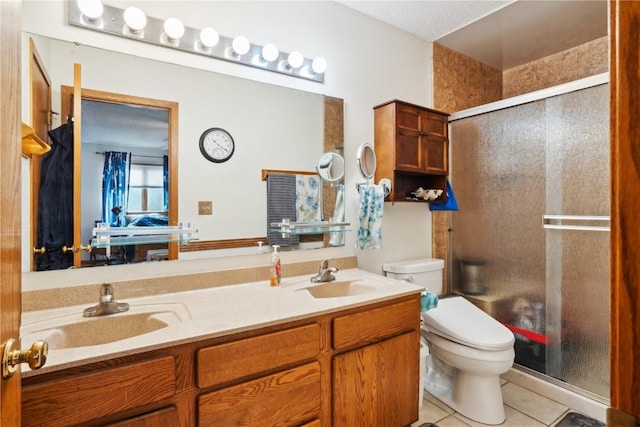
<point x="459" y="320"/>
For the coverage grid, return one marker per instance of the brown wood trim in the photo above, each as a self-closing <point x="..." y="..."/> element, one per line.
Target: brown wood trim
<point x="77" y="163"/>
<point x="266" y="172"/>
<point x="36" y="67"/>
<point x="208" y="245"/>
<point x="624" y="39"/>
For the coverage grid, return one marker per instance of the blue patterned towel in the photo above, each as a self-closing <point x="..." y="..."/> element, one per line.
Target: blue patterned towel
<point x="370" y="210"/>
<point x="307" y="198"/>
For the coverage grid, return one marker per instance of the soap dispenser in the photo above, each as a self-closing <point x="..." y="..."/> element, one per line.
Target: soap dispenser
<point x="275" y="276"/>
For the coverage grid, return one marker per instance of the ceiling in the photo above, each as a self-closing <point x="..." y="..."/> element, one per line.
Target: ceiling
<point x="123" y="126"/>
<point x="499" y="33"/>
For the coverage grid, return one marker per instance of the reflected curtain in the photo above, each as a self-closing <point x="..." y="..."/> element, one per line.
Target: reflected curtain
<point x="115" y="187"/>
<point x="165" y="181"/>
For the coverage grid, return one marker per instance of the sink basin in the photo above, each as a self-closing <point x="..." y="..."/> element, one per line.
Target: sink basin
<point x="344" y="288"/>
<point x="90" y="331"/>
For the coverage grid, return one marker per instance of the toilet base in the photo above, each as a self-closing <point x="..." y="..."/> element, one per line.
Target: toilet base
<point x="477" y="397"/>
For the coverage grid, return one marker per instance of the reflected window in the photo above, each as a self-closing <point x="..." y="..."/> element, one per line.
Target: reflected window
<point x="146" y="189"/>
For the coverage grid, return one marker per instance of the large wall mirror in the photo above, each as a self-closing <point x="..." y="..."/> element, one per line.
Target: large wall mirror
<point x="273" y="128"/>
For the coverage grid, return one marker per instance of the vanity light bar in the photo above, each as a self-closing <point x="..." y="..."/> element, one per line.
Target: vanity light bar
<point x="112" y="21"/>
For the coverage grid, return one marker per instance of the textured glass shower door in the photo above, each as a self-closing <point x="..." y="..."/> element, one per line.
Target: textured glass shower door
<point x="577" y="238"/>
<point x="515" y="171"/>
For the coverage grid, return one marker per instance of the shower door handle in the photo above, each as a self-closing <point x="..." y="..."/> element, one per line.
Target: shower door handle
<point x="576" y="222"/>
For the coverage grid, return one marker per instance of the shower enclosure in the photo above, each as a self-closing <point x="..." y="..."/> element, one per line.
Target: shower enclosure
<point x="532" y="185"/>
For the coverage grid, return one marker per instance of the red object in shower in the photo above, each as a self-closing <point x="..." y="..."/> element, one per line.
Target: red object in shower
<point x="530" y="335"/>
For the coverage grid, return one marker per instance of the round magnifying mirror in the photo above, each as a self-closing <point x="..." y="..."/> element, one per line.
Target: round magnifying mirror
<point x="331" y="167"/>
<point x="367" y="160"/>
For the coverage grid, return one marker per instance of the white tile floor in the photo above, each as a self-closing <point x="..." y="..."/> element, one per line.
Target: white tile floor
<point x="523" y="408"/>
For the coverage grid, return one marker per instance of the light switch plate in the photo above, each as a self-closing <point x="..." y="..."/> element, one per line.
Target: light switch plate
<point x="205" y="208"/>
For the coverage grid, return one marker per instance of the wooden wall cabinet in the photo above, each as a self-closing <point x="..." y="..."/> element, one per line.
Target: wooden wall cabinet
<point x="412" y="148"/>
<point x="353" y="367"/>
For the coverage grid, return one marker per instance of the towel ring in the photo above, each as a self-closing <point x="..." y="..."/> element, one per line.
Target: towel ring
<point x="385" y="183"/>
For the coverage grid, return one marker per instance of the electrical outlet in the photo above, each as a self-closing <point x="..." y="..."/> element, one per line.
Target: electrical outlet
<point x="205" y="208"/>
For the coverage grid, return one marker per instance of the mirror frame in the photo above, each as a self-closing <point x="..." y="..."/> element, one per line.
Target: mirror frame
<point x="324" y="172"/>
<point x="367" y="161"/>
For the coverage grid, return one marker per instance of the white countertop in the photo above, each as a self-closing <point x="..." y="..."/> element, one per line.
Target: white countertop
<point x="202" y="314"/>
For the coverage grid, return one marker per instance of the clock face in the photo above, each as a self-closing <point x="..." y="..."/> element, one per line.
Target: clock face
<point x="216" y="145"/>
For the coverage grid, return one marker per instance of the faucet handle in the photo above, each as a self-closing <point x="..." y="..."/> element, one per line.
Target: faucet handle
<point x="106" y="292"/>
<point x="324" y="264"/>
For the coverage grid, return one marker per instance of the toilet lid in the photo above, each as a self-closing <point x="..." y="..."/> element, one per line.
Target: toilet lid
<point x="459" y="320"/>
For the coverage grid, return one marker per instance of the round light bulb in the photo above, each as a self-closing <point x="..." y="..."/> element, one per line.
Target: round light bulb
<point x="319" y="65"/>
<point x="295" y="59"/>
<point x="174" y="28"/>
<point x="209" y="37"/>
<point x="92" y="9"/>
<point x="135" y="18"/>
<point x="270" y="52"/>
<point x="240" y="45"/>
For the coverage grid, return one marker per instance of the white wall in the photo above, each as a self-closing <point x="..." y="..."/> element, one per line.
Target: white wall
<point x="369" y="63"/>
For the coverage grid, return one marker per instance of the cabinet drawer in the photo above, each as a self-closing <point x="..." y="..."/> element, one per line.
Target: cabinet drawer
<point x="287" y="398"/>
<point x="371" y="326"/>
<point x="160" y="418"/>
<point x="82" y="398"/>
<point x="252" y="356"/>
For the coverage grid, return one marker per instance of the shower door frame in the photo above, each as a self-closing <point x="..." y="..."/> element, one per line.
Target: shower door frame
<point x="624" y="42"/>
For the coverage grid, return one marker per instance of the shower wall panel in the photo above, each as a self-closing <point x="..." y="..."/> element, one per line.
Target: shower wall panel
<point x="510" y="168"/>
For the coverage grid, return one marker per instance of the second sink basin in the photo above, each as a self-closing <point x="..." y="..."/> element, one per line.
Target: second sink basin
<point x="343" y="288"/>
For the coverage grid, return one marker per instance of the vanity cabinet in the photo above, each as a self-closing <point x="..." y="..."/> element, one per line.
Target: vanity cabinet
<point x="376" y="384"/>
<point x="412" y="146"/>
<point x="357" y="366"/>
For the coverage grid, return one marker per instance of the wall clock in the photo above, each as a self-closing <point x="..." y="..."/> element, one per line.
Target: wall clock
<point x="217" y="145"/>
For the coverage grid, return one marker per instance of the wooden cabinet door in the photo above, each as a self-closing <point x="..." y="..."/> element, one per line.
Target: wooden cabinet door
<point x="408" y="139"/>
<point x="377" y="385"/>
<point x="435" y="153"/>
<point x="435" y="144"/>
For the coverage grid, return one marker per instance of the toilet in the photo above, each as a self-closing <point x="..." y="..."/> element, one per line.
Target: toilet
<point x="469" y="349"/>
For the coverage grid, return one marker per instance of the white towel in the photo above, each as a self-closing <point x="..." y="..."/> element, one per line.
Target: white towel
<point x="337" y="238"/>
<point x="370" y="210"/>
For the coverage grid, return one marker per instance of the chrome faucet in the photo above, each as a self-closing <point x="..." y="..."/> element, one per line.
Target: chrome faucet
<point x="107" y="304"/>
<point x="325" y="274"/>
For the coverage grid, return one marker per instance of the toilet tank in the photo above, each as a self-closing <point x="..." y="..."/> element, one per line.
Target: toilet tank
<point x="425" y="272"/>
